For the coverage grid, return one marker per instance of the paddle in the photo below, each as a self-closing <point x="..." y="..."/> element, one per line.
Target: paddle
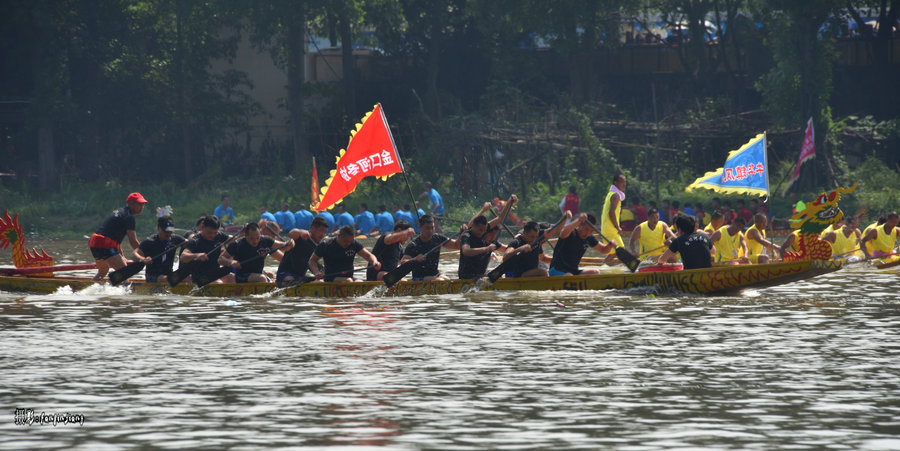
<point x="120" y="275"/>
<point x="186" y="269"/>
<point x="504" y="266"/>
<point x="402" y="270"/>
<point x="45" y="269"/>
<point x="630" y="261"/>
<point x="222" y="271"/>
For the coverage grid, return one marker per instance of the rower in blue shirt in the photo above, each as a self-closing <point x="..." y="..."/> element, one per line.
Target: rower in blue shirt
<point x="264" y="214"/>
<point x="303" y="217"/>
<point x="384" y="221"/>
<point x="365" y="220"/>
<point x="328" y="217"/>
<point x="342" y="217"/>
<point x="285" y="217"/>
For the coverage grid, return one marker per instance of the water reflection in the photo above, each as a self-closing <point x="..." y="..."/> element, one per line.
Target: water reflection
<point x="807" y="365"/>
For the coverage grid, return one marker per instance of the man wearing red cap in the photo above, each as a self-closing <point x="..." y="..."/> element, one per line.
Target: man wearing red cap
<point x="105" y="243"/>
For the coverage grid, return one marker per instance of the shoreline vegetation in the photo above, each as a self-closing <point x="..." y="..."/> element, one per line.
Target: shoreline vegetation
<point x="79" y="209"/>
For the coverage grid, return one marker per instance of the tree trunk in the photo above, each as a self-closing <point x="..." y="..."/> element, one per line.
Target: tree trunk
<point x="46" y="155"/>
<point x="349" y="72"/>
<point x="181" y="102"/>
<point x="432" y="100"/>
<point x="296" y="48"/>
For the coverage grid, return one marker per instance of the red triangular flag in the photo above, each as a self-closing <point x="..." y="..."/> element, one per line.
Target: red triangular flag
<point x="371" y="152"/>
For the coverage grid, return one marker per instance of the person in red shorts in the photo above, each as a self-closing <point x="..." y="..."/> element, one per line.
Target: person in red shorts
<point x="105" y="243"/>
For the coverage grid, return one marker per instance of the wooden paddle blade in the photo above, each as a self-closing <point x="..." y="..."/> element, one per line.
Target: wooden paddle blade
<point x="213" y="276"/>
<point x="120" y="275"/>
<point x="630" y="261"/>
<point x="398" y="273"/>
<point x="181" y="273"/>
<point x="501" y="269"/>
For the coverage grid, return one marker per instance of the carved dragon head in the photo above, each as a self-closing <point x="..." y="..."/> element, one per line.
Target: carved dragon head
<point x="820" y="213"/>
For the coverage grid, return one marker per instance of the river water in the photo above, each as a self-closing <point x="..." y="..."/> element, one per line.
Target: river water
<point x="809" y="365"/>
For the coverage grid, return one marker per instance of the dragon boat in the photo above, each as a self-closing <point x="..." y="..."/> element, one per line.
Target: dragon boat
<point x="716" y="280"/>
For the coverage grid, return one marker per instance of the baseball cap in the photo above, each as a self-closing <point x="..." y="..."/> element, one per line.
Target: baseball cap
<point x="166" y="224"/>
<point x="136" y="197"/>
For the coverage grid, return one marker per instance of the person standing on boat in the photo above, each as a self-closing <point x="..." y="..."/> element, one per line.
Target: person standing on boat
<point x="652" y="235"/>
<point x="422" y="244"/>
<point x="252" y="249"/>
<point x="529" y="265"/>
<point x="388" y="249"/>
<point x="206" y="241"/>
<point x="756" y="240"/>
<point x="731" y="247"/>
<point x="845" y="241"/>
<point x="105" y="244"/>
<point x="883" y="238"/>
<point x="612" y="208"/>
<point x="576" y="237"/>
<point x="295" y="262"/>
<point x="165" y="240"/>
<point x="338" y="254"/>
<point x="224" y="211"/>
<point x="435" y="204"/>
<point x="694" y="246"/>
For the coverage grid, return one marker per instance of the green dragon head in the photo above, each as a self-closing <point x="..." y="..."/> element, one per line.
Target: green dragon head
<point x="821" y="213"/>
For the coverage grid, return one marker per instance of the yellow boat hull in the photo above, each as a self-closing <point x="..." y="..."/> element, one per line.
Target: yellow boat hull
<point x="716" y="280"/>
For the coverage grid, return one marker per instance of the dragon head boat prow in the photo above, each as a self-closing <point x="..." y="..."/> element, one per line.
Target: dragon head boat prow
<point x="812" y="221"/>
<point x="11" y="234"/>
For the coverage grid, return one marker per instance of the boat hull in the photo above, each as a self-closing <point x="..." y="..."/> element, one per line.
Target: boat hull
<point x="716" y="280"/>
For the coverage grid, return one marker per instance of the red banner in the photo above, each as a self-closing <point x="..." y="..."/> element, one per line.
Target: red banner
<point x="314" y="188"/>
<point x="807" y="152"/>
<point x="371" y="152"/>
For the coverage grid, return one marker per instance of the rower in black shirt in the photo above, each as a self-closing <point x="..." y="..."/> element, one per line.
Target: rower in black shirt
<point x="338" y="254"/>
<point x="474" y="251"/>
<point x="529" y="265"/>
<point x="295" y="262"/>
<point x="203" y="242"/>
<point x="421" y="245"/>
<point x="389" y="248"/>
<point x="164" y="242"/>
<point x="693" y="246"/>
<point x="575" y="238"/>
<point x="252" y="250"/>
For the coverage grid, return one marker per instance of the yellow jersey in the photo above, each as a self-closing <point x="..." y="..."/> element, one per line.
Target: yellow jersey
<point x="755" y="247"/>
<point x="844" y="245"/>
<point x="728" y="247"/>
<point x="884" y="241"/>
<point x="652" y="241"/>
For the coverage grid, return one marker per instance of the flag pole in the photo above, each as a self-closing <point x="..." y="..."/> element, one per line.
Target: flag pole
<point x="400" y="161"/>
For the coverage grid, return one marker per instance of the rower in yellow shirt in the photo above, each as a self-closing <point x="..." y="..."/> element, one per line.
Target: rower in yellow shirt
<point x="883" y="238"/>
<point x="881" y="220"/>
<point x="651" y="235"/>
<point x="716" y="221"/>
<point x="756" y="240"/>
<point x="845" y="241"/>
<point x="730" y="244"/>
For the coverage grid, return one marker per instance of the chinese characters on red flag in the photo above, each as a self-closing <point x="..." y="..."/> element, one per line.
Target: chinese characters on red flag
<point x="371" y="152"/>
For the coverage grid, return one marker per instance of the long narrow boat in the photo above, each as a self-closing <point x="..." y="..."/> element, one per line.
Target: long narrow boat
<point x="716" y="280"/>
